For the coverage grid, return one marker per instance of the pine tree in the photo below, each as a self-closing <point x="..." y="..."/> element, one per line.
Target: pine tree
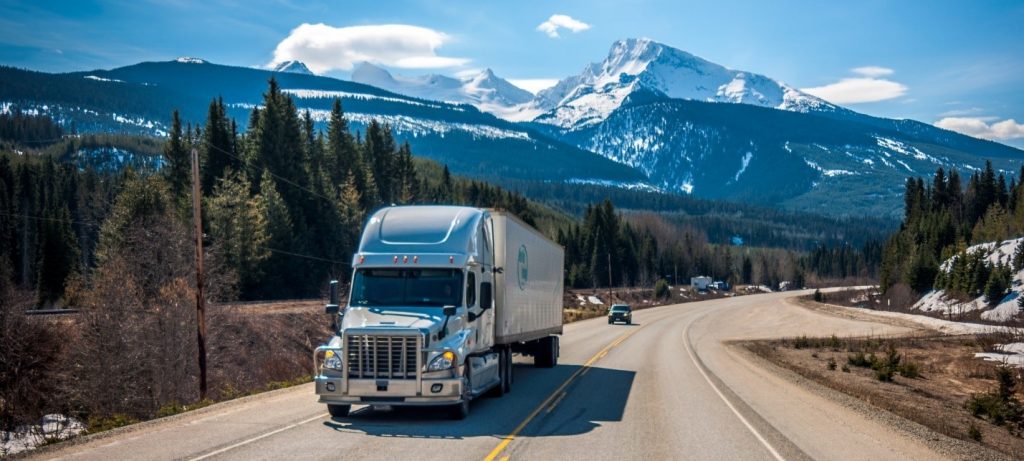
<point x="341" y="149"/>
<point x="278" y="269"/>
<point x="239" y="224"/>
<point x="217" y="146"/>
<point x="177" y="160"/>
<point x="58" y="256"/>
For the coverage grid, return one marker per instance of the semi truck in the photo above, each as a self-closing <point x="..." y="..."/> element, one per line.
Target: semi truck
<point x="441" y="297"/>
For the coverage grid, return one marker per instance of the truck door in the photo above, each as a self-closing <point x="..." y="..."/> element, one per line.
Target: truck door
<point x="485" y="274"/>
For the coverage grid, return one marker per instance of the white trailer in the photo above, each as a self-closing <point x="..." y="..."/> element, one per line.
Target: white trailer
<point x="528" y="290"/>
<point x="441" y="298"/>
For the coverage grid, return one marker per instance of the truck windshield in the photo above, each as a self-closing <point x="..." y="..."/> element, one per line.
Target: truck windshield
<point x="407" y="287"/>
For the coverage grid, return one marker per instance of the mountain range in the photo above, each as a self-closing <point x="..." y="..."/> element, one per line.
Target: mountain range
<point x="647" y="116"/>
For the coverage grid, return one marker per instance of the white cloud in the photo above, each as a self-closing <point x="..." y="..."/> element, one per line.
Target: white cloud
<point x="872" y="71"/>
<point x="980" y="128"/>
<point x="468" y="73"/>
<point x="561" y="21"/>
<point x="961" y="112"/>
<point x="868" y="87"/>
<point x="533" y="85"/>
<point x="324" y="48"/>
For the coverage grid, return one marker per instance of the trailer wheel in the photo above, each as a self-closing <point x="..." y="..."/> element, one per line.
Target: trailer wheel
<point x="509" y="374"/>
<point x="546" y="354"/>
<point x="338" y="411"/>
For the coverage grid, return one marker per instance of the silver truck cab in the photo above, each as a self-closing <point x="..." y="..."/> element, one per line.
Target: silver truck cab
<point x="417" y="328"/>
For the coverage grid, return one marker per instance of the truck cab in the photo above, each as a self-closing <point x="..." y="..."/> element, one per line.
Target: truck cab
<point x="419" y="325"/>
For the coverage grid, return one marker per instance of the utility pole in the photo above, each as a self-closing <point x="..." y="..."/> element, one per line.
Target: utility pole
<point x="610" y="294"/>
<point x="197" y="220"/>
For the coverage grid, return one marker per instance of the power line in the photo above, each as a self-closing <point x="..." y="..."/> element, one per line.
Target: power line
<point x="299" y="255"/>
<point x="40" y="218"/>
<point x="275" y="175"/>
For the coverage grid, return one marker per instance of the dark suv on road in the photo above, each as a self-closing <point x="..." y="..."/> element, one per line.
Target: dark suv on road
<point x="620" y="313"/>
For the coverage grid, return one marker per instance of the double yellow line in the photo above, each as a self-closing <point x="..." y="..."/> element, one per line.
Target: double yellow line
<point x="556" y="396"/>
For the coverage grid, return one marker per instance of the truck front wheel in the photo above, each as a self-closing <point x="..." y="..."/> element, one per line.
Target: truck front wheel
<point x="339" y="411"/>
<point x="460" y="410"/>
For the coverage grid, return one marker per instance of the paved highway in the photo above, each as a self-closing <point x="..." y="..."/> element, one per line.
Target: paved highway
<point x="667" y="387"/>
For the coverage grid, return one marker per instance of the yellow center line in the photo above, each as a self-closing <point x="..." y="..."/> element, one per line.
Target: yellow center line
<point x="550" y="401"/>
<point x="555" y="403"/>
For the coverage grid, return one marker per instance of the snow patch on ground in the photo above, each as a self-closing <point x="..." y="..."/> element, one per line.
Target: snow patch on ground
<point x="1007" y="309"/>
<point x="327" y="94"/>
<point x="1009" y="354"/>
<point x="743" y="167"/>
<point x="101" y="79"/>
<point x="594" y="300"/>
<point x="403" y="124"/>
<point x="52" y="427"/>
<point x="827" y="172"/>
<point x="635" y="185"/>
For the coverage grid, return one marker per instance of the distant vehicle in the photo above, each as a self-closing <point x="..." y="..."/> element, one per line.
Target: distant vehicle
<point x="620" y="313"/>
<point x="441" y="297"/>
<point x="701" y="283"/>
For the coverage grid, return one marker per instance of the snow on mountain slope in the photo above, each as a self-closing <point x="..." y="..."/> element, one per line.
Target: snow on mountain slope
<point x="295" y="67"/>
<point x="484" y="90"/>
<point x="642" y="64"/>
<point x="1006" y="309"/>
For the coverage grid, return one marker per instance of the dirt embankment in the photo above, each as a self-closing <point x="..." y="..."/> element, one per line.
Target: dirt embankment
<point x="927" y="377"/>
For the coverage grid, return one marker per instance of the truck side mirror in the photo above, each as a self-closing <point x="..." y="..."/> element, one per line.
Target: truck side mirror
<point x="485" y="295"/>
<point x="332" y="304"/>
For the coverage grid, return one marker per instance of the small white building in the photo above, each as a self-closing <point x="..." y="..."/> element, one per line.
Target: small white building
<point x="701" y="282"/>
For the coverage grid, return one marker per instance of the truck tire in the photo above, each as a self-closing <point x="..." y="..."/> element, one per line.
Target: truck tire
<point x="546" y="354"/>
<point x="338" y="411"/>
<point x="510" y="370"/>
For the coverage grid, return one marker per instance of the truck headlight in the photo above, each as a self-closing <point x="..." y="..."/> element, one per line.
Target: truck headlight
<point x="442" y="362"/>
<point x="333" y="361"/>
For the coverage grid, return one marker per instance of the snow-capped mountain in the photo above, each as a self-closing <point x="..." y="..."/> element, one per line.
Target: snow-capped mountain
<point x="484" y="90"/>
<point x="295" y="67"/>
<point x="140" y="99"/>
<point x="643" y="65"/>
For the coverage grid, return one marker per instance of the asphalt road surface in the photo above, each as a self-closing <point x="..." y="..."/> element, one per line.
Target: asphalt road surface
<point x="667" y="387"/>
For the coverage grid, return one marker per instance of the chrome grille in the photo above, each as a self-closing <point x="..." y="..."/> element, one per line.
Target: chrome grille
<point x="381" y="356"/>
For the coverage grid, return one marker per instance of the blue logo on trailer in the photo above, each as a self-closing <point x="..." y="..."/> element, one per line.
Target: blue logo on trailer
<point x="523" y="270"/>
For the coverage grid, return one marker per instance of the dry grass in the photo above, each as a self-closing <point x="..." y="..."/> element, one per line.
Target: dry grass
<point x="948" y="376"/>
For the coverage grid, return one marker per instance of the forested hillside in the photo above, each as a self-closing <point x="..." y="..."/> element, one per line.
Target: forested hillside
<point x="943" y="217"/>
<point x="284" y="203"/>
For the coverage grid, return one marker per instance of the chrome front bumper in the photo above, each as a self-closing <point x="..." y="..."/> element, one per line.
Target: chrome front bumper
<point x="389" y="392"/>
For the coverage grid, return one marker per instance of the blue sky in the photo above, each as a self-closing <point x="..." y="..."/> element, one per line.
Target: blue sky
<point x="959" y="64"/>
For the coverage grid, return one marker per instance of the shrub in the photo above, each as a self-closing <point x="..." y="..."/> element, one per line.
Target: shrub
<point x="661" y="289"/>
<point x="887" y="366"/>
<point x="910" y="370"/>
<point x="999" y="406"/>
<point x="833" y="342"/>
<point x="100" y="424"/>
<point x="859" y="360"/>
<point x="974" y="433"/>
<point x="831" y="364"/>
<point x="846" y="368"/>
<point x="802" y="342"/>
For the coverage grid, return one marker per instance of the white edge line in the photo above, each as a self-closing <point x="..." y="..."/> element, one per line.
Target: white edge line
<point x="689" y="350"/>
<point x="248" y="441"/>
